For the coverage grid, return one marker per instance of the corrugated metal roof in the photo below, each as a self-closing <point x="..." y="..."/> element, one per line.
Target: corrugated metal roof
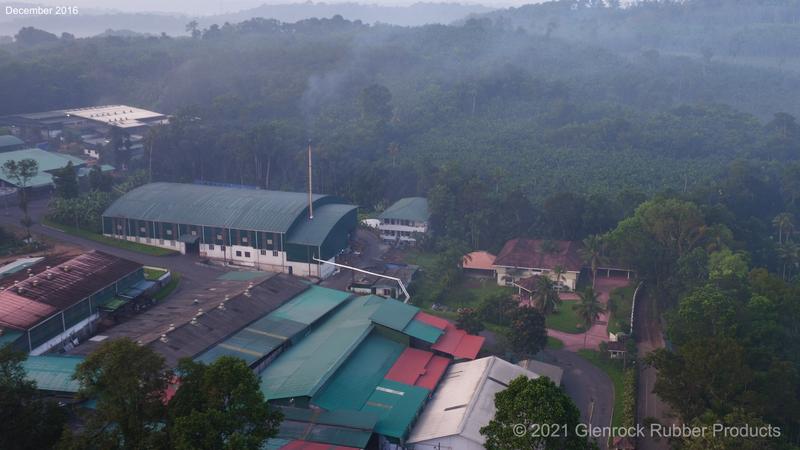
<point x="211" y="327"/>
<point x="409" y="208"/>
<point x="30" y="300"/>
<point x="266" y="334"/>
<point x="464" y="401"/>
<point x="418" y="368"/>
<point x="397" y="406"/>
<point x="53" y="373"/>
<point x="304" y="367"/>
<point x="8" y="140"/>
<point x="423" y="331"/>
<point x="313" y="232"/>
<point x="395" y="315"/>
<point x="352" y="385"/>
<point x="46" y="160"/>
<point x="306" y="445"/>
<point x="214" y="206"/>
<point x="16" y="266"/>
<point x="347" y="428"/>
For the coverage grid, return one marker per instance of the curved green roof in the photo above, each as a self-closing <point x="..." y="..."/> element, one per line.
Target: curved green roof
<point x="214" y="206"/>
<point x="409" y="208"/>
<point x="8" y="140"/>
<point x="313" y="232"/>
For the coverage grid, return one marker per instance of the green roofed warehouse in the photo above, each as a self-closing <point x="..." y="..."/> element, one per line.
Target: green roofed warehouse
<point x="406" y="219"/>
<point x="268" y="230"/>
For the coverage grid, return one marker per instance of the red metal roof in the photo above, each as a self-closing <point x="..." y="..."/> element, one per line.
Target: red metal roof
<point x="22" y="313"/>
<point x="458" y="343"/>
<point x="432" y="320"/>
<point x="528" y="254"/>
<point x="306" y="445"/>
<point x="418" y="368"/>
<point x="32" y="299"/>
<point x="454" y="341"/>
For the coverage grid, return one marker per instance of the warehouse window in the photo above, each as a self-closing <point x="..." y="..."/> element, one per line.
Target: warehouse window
<point x="169" y="232"/>
<point x="143" y="229"/>
<point x="264" y="252"/>
<point x="269" y="241"/>
<point x="275" y="253"/>
<point x="244" y="239"/>
<point x="219" y="236"/>
<point x="238" y="253"/>
<point x="194" y="232"/>
<point x="211" y="246"/>
<point x="246" y="254"/>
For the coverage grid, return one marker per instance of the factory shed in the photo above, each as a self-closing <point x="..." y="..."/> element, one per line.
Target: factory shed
<point x="463" y="404"/>
<point x="58" y="303"/>
<point x="261" y="338"/>
<point x="267" y="230"/>
<point x="210" y="327"/>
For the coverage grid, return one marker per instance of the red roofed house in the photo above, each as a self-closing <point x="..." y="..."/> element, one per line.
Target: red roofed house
<point x="478" y="264"/>
<point x="523" y="258"/>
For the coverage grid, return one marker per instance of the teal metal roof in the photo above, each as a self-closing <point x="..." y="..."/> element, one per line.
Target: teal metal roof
<point x="395" y="315"/>
<point x="8" y="337"/>
<point x="46" y="160"/>
<point x="214" y="206"/>
<point x="53" y="373"/>
<point x="355" y="380"/>
<point x="313" y="232"/>
<point x="397" y="406"/>
<point x="266" y="334"/>
<point x="409" y="208"/>
<point x="304" y="367"/>
<point x="20" y="264"/>
<point x="360" y="385"/>
<point x="8" y="140"/>
<point x="423" y="331"/>
<point x="347" y="428"/>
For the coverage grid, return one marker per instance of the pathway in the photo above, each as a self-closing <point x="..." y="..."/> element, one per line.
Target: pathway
<point x="599" y="331"/>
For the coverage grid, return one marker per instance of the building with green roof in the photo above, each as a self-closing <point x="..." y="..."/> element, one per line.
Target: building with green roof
<point x="47" y="162"/>
<point x="268" y="230"/>
<point x="402" y="222"/>
<point x="9" y="143"/>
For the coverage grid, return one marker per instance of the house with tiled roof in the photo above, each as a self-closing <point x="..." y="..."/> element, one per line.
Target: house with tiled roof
<point x="524" y="258"/>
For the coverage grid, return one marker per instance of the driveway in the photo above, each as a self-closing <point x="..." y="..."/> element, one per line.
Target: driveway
<point x="588" y="386"/>
<point x="599" y="331"/>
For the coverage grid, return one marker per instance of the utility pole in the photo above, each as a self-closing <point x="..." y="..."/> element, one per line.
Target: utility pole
<point x="310" y="195"/>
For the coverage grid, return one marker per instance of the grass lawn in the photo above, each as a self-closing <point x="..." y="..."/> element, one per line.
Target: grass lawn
<point x="153" y="273"/>
<point x="613" y="368"/>
<point x="565" y="319"/>
<point x="166" y="290"/>
<point x="554" y="344"/>
<point x="125" y="245"/>
<point x="621" y="318"/>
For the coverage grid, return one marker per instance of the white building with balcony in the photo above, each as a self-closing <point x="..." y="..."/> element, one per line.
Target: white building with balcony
<point x="402" y="222"/>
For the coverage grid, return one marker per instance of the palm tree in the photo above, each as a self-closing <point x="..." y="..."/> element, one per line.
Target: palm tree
<point x="558" y="274"/>
<point x="789" y="254"/>
<point x="783" y="222"/>
<point x="545" y="297"/>
<point x="592" y="253"/>
<point x="588" y="309"/>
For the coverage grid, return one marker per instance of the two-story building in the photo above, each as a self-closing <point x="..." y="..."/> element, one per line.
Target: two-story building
<point x="404" y="221"/>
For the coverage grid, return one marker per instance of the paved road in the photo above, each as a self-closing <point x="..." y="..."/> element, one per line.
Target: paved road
<point x="188" y="266"/>
<point x="649" y="336"/>
<point x="588" y="386"/>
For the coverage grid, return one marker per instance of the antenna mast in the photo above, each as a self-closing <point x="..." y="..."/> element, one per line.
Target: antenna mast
<point x="310" y="195"/>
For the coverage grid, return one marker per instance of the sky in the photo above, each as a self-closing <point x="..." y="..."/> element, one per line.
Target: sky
<point x="208" y="7"/>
